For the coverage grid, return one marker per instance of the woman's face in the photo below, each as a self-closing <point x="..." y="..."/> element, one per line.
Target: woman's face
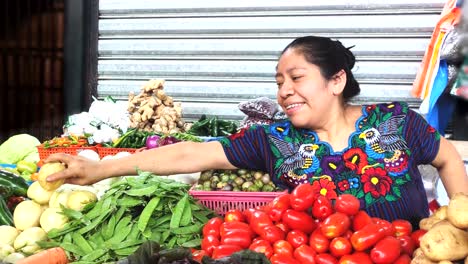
<point x="303" y="93"/>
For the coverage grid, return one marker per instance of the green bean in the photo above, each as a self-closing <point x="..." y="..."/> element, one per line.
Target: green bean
<point x="126" y="244"/>
<point x="82" y="243"/>
<point x="186" y="217"/>
<point x="134" y="233"/>
<point x="192" y="243"/>
<point x="108" y="228"/>
<point x="94" y="255"/>
<point x="200" y="217"/>
<point x="147" y="212"/>
<point x="171" y="242"/>
<point x="121" y="235"/>
<point x="177" y="213"/>
<point x="125" y="252"/>
<point x="159" y="221"/>
<point x="143" y="191"/>
<point x="165" y="235"/>
<point x="130" y="201"/>
<point x="193" y="229"/>
<point x="72" y="248"/>
<point x="94" y="223"/>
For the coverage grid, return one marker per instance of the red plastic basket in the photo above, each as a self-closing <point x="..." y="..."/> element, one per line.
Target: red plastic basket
<point x="45" y="152"/>
<point x="223" y="201"/>
<point x="106" y="151"/>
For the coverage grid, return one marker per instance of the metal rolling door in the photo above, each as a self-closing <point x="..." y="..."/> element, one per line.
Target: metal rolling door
<point x="215" y="54"/>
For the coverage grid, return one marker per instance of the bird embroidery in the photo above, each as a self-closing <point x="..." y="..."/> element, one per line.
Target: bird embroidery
<point x="299" y="159"/>
<point x="384" y="138"/>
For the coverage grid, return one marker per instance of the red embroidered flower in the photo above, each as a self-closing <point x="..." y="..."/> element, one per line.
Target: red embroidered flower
<point x="430" y="129"/>
<point x="370" y="107"/>
<point x="324" y="187"/>
<point x="376" y="181"/>
<point x="238" y="134"/>
<point x="355" y="159"/>
<point x="343" y="185"/>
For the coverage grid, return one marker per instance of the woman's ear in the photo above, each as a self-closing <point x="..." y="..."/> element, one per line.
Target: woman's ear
<point x="338" y="82"/>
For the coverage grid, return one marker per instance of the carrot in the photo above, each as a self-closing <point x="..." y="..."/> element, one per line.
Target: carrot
<point x="54" y="255"/>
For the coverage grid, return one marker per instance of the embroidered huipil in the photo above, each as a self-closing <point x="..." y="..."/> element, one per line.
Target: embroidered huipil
<point x="379" y="166"/>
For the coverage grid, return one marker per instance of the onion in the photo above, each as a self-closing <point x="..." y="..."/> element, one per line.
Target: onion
<point x="152" y="141"/>
<point x="168" y="140"/>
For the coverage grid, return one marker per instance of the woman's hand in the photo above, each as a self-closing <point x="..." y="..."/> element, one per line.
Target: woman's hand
<point x="79" y="170"/>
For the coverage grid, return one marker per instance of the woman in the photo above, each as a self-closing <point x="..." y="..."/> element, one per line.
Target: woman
<point x="370" y="151"/>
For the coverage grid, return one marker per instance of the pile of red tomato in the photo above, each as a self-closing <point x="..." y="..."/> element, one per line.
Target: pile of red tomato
<point x="301" y="228"/>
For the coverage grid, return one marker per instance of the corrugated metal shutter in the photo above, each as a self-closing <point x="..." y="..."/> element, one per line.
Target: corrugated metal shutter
<point x="214" y="54"/>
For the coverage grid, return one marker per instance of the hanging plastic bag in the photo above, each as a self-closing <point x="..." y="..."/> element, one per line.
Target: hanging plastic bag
<point x="449" y="18"/>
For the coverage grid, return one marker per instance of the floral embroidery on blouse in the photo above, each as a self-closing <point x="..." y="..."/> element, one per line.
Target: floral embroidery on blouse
<point x="373" y="167"/>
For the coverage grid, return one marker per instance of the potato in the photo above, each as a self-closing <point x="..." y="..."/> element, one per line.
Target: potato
<point x="457" y="211"/>
<point x="46" y="170"/>
<point x="419" y="258"/>
<point x="439" y="215"/>
<point x="445" y="262"/>
<point x="445" y="242"/>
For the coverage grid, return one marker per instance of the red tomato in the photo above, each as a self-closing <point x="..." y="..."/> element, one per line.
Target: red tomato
<point x="278" y="206"/>
<point x="305" y="254"/>
<point x="403" y="259"/>
<point x="347" y="204"/>
<point x="234" y="215"/>
<point x="356" y="258"/>
<point x="262" y="246"/>
<point x="197" y="255"/>
<point x="322" y="207"/>
<point x="240" y="237"/>
<point x="208" y="243"/>
<point x="283" y="227"/>
<point x="319" y="242"/>
<point x="283" y="259"/>
<point x="348" y="234"/>
<point x="227" y="227"/>
<point x="340" y="246"/>
<point x="407" y="244"/>
<point x="272" y="233"/>
<point x="297" y="238"/>
<point x="366" y="237"/>
<point x="299" y="221"/>
<point x="222" y="251"/>
<point x="325" y="258"/>
<point x="416" y="236"/>
<point x="302" y="197"/>
<point x="282" y="247"/>
<point x="402" y="227"/>
<point x="248" y="214"/>
<point x="361" y="219"/>
<point x="212" y="227"/>
<point x="258" y="220"/>
<point x="385" y="226"/>
<point x="335" y="225"/>
<point x="386" y="251"/>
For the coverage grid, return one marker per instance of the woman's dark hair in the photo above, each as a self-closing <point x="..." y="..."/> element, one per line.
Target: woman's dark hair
<point x="331" y="57"/>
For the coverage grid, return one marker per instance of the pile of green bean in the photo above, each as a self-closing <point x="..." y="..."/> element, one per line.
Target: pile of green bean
<point x="132" y="211"/>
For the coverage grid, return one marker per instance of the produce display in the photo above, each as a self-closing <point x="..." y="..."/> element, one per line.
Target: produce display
<point x="297" y="228"/>
<point x="235" y="180"/>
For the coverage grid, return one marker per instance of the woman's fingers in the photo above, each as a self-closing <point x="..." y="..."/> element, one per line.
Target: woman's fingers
<point x="59" y="157"/>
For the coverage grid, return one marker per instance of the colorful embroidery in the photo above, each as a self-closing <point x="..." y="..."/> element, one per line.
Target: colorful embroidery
<point x="373" y="167"/>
